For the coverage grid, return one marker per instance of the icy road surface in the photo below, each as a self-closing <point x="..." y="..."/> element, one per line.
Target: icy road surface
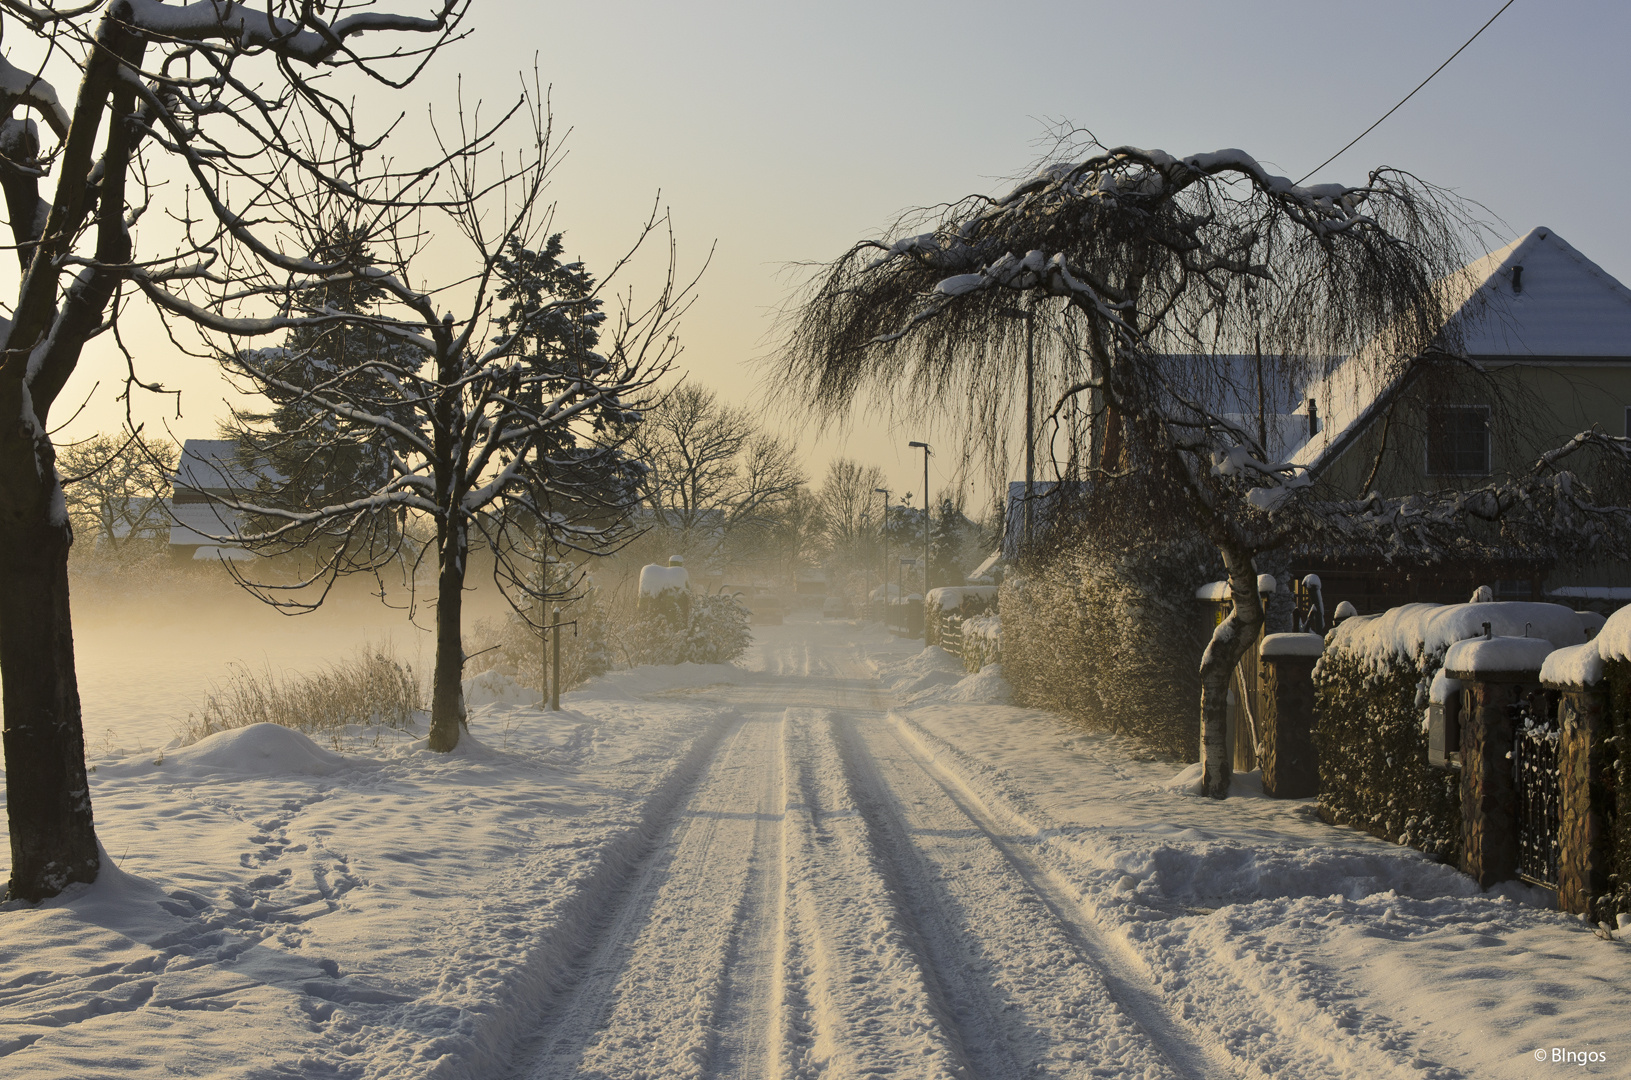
<point x="846" y="860"/>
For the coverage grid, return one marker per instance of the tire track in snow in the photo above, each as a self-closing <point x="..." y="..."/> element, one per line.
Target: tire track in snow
<point x="1052" y="986"/>
<point x="1266" y="1013"/>
<point x="659" y="976"/>
<point x="873" y="1008"/>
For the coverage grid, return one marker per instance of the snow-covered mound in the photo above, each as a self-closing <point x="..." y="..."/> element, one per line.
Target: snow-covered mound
<point x="656" y="581"/>
<point x="497" y="688"/>
<point x="985" y="687"/>
<point x="1188" y="782"/>
<point x="259" y="750"/>
<point x="921" y="670"/>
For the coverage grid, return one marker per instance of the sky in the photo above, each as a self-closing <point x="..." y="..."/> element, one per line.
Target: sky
<point x="778" y="135"/>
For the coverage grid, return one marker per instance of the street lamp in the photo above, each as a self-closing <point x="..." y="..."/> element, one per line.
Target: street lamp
<point x="923" y="446"/>
<point x="1030" y="415"/>
<point x="883" y="534"/>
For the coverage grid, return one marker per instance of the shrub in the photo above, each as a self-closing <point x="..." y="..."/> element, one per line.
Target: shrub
<point x="372" y="690"/>
<point x="1373" y="752"/>
<point x="715" y="631"/>
<point x="523" y="652"/>
<point x="1113" y="639"/>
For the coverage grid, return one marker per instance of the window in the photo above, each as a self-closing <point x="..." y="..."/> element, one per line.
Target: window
<point x="1458" y="440"/>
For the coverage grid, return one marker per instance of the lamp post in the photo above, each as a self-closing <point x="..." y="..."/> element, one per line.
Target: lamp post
<point x="923" y="446"/>
<point x="1030" y="416"/>
<point x="883" y="534"/>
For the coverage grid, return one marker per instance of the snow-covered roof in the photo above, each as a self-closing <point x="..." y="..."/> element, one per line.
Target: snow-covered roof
<point x="1537" y="299"/>
<point x="212" y="465"/>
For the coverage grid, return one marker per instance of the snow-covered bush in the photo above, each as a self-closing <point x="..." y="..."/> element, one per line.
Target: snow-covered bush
<point x="373" y="690"/>
<point x="522" y="652"/>
<point x="1112" y="639"/>
<point x="715" y="631"/>
<point x="947" y="605"/>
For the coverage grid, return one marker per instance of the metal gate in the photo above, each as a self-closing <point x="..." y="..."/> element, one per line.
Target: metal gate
<point x="1535" y="775"/>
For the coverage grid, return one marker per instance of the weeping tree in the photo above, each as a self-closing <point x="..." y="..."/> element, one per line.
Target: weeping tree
<point x="193" y="119"/>
<point x="1198" y="294"/>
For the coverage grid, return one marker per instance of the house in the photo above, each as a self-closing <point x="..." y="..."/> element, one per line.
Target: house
<point x="1546" y="341"/>
<point x="208" y="471"/>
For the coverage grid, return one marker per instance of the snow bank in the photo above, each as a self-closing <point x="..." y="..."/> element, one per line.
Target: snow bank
<point x="953" y="598"/>
<point x="655" y="678"/>
<point x="497" y="688"/>
<point x="1418" y="634"/>
<point x="658" y="580"/>
<point x="985" y="687"/>
<point x="258" y="750"/>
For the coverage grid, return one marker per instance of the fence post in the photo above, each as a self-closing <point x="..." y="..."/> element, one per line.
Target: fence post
<point x="1290" y="767"/>
<point x="555" y="679"/>
<point x="1585" y="800"/>
<point x="1498" y="674"/>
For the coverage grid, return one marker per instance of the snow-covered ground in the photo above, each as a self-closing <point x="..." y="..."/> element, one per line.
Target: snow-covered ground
<point x="842" y="859"/>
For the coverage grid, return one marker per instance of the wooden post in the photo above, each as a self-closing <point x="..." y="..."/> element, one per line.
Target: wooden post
<point x="555" y="673"/>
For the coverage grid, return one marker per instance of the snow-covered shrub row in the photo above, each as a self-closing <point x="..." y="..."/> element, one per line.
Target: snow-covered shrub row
<point x="1373" y="752"/>
<point x="1113" y="638"/>
<point x="982" y="641"/>
<point x="1372" y="686"/>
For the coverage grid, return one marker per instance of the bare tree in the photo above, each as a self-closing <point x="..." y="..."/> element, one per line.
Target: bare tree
<point x="848" y="506"/>
<point x="711" y="469"/>
<point x="114" y="487"/>
<point x="1171" y="270"/>
<point x="499" y="440"/>
<point x="221" y="92"/>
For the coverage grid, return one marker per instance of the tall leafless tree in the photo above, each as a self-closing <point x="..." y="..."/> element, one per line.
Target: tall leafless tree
<point x="497" y="443"/>
<point x="229" y="97"/>
<point x="1170" y="269"/>
<point x="711" y="469"/>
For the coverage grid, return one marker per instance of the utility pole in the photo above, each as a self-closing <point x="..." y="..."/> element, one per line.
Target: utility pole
<point x="883" y="534"/>
<point x="925" y="448"/>
<point x="1030" y="417"/>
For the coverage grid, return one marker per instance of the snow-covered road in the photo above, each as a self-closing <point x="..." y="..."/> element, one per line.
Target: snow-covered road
<point x="849" y="860"/>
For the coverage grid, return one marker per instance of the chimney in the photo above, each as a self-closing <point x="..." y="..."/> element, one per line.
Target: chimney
<point x="1313" y="419"/>
<point x="1517" y="278"/>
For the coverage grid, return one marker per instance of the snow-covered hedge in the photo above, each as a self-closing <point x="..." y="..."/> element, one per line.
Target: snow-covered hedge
<point x="1373" y="752"/>
<point x="982" y="641"/>
<point x="1372" y="688"/>
<point x="1113" y="639"/>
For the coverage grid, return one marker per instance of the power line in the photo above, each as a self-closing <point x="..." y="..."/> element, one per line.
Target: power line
<point x="1408" y="96"/>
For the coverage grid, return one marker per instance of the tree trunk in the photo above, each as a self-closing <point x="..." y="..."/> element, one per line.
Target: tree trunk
<point x="447" y="716"/>
<point x="48" y="802"/>
<point x="1229" y="644"/>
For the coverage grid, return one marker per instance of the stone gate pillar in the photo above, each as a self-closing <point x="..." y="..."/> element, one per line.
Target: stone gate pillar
<point x="1585" y="780"/>
<point x="1497" y="672"/>
<point x="1290" y="767"/>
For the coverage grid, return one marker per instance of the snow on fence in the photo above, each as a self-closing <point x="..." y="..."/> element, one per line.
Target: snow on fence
<point x="947" y="610"/>
<point x="1375" y="689"/>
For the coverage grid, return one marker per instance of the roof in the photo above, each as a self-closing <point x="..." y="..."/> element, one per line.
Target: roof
<point x="1537" y="300"/>
<point x="213" y="465"/>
